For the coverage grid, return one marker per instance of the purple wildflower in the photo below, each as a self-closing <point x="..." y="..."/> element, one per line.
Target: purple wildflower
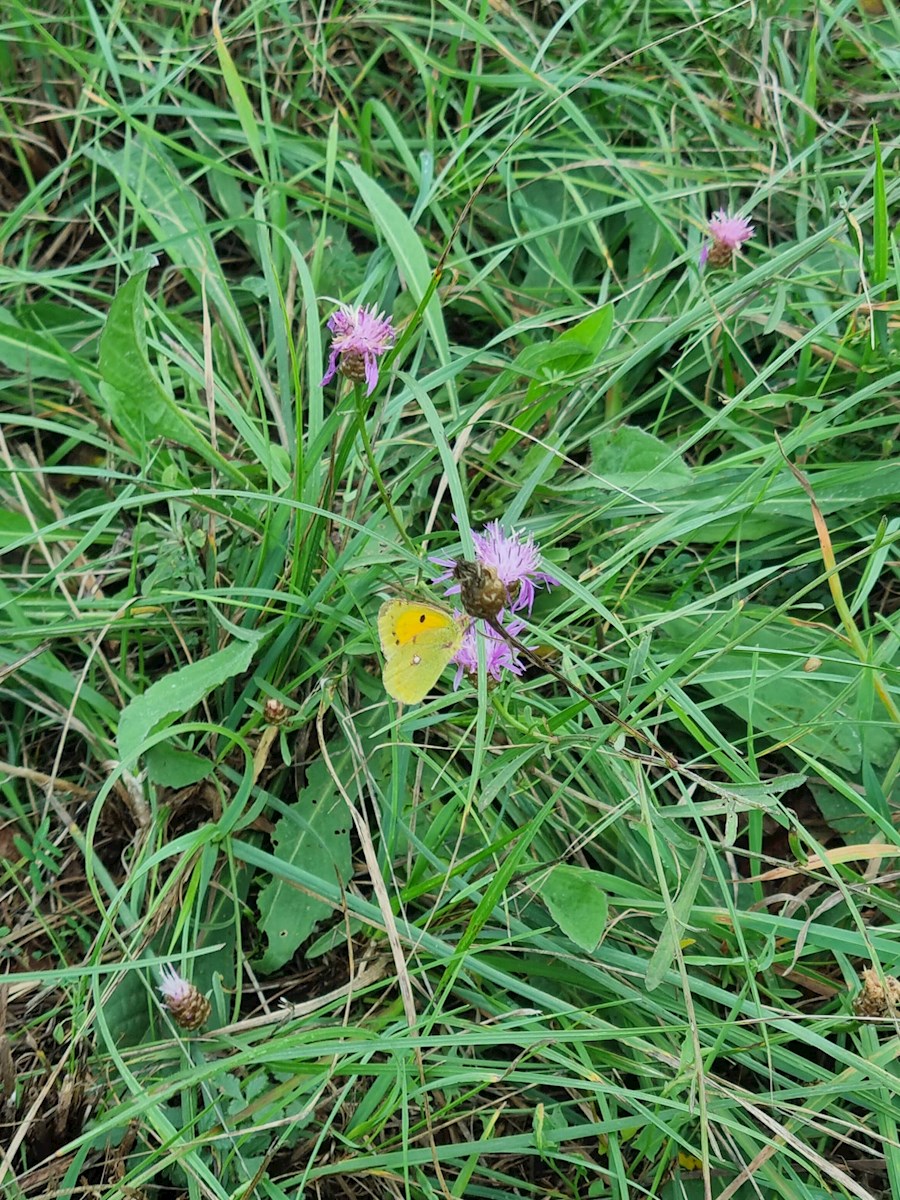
<point x="499" y="655"/>
<point x="516" y="559"/>
<point x="730" y="231"/>
<point x="359" y="337"/>
<point x="728" y="235"/>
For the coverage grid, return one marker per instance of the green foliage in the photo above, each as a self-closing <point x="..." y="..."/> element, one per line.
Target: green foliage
<point x="495" y="944"/>
<point x="313" y="832"/>
<point x="577" y="904"/>
<point x="178" y="692"/>
<point x="632" y="459"/>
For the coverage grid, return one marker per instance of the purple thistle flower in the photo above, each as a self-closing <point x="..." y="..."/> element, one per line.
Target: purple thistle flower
<point x="728" y="235"/>
<point x="730" y="231"/>
<point x="499" y="655"/>
<point x="359" y="337"/>
<point x="516" y="559"/>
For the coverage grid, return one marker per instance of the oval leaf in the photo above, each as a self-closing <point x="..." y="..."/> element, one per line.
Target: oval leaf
<point x="176" y="693"/>
<point x="577" y="903"/>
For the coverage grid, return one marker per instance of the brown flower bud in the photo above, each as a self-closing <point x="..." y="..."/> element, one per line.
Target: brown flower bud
<point x="188" y="1006"/>
<point x="275" y="712"/>
<point x="720" y="255"/>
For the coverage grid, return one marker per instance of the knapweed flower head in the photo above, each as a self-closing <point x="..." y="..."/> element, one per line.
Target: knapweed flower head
<point x="514" y="557"/>
<point x="187" y="1004"/>
<point x="359" y="337"/>
<point x="499" y="655"/>
<point x="728" y="235"/>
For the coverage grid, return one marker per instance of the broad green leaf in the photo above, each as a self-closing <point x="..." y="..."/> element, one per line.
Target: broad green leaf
<point x="842" y="814"/>
<point x="313" y="833"/>
<point x="572" y="351"/>
<point x="549" y="366"/>
<point x="314" y="836"/>
<point x="678" y="921"/>
<point x="35" y="356"/>
<point x="635" y="460"/>
<point x="177" y="693"/>
<point x="127" y="1010"/>
<point x="139" y="406"/>
<point x="15" y="526"/>
<point x="169" y="766"/>
<point x="761" y="678"/>
<point x="172" y="212"/>
<point x="576" y="900"/>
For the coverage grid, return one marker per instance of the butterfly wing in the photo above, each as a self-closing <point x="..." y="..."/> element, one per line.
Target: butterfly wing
<point x="418" y="640"/>
<point x="399" y="621"/>
<point x="414" y="669"/>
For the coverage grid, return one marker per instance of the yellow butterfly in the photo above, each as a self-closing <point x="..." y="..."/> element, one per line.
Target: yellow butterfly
<point x="417" y="640"/>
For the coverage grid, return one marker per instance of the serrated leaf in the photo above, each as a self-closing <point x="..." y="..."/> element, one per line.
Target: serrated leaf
<point x="315" y="834"/>
<point x="139" y="406"/>
<point x="178" y="692"/>
<point x="576" y="900"/>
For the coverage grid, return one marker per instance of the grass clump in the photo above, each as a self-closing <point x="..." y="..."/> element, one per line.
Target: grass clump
<point x="494" y="944"/>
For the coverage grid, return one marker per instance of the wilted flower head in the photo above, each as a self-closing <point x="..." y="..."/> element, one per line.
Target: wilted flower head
<point x="728" y="235"/>
<point x="499" y="655"/>
<point x="359" y="337"/>
<point x="514" y="557"/>
<point x="188" y="1006"/>
<point x="275" y="711"/>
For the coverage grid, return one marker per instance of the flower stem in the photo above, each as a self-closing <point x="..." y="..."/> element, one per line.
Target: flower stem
<point x="373" y="467"/>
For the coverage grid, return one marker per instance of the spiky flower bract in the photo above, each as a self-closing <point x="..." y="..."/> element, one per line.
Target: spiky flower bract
<point x="172" y="986"/>
<point x="187" y="1004"/>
